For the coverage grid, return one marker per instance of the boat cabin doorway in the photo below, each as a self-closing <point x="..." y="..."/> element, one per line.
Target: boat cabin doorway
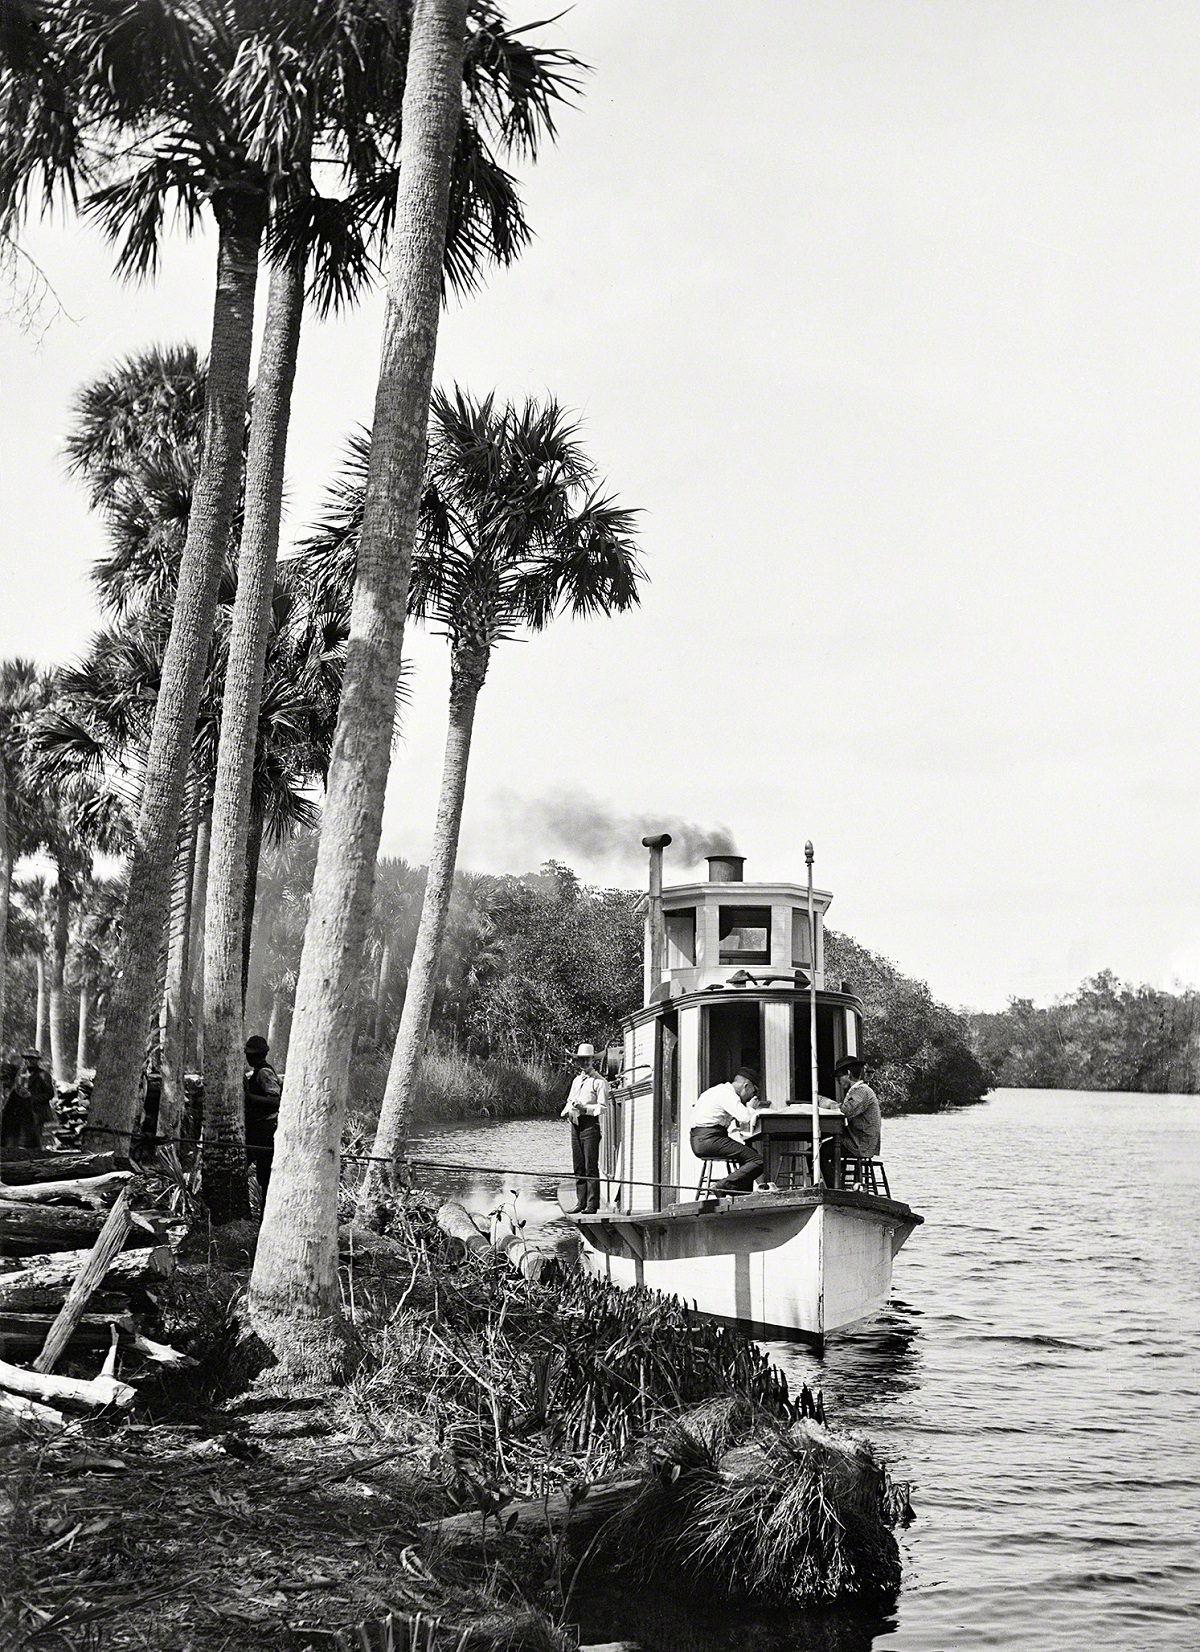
<point x="731" y="1037"/>
<point x="666" y="1125"/>
<point x="831" y="1046"/>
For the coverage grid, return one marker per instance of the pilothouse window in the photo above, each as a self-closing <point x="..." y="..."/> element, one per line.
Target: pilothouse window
<point x="745" y="935"/>
<point x="801" y="948"/>
<point x="681" y="938"/>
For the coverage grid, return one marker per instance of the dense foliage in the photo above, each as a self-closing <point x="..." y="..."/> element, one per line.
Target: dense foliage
<point x="1108" y="1035"/>
<point x="921" y="1052"/>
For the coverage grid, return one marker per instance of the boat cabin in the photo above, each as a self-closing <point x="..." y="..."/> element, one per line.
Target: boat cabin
<point x="728" y="966"/>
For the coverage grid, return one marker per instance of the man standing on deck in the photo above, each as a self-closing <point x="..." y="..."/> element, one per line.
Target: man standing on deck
<point x="713" y="1111"/>
<point x="587" y="1101"/>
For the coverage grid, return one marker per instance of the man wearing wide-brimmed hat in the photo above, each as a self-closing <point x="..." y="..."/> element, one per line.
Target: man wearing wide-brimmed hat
<point x="860" y="1108"/>
<point x="587" y="1101"/>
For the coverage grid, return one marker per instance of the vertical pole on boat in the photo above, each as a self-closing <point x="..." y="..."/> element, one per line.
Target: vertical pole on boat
<point x="812" y="1018"/>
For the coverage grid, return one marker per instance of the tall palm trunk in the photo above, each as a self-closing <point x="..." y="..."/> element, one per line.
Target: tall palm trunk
<point x="6" y="872"/>
<point x="85" y="1019"/>
<point x="293" y="1291"/>
<point x="381" y="991"/>
<point x="467" y="673"/>
<point x="57" y="992"/>
<point x="195" y="996"/>
<point x="250" y="898"/>
<point x="178" y="981"/>
<point x="118" y="1072"/>
<point x="226" y="952"/>
<point x="41" y="1020"/>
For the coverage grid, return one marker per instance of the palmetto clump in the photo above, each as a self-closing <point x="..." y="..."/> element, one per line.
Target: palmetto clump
<point x="758" y="1509"/>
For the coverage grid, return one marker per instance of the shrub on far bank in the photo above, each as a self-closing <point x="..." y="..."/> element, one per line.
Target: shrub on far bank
<point x="455" y="1086"/>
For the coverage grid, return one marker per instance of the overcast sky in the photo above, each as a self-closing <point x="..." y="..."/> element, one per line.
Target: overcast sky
<point x="886" y="317"/>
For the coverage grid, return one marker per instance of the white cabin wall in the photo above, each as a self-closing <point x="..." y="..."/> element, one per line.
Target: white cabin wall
<point x="777" y="1051"/>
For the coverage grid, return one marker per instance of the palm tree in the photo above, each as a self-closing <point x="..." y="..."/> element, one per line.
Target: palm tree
<point x="293" y="1298"/>
<point x="93" y="944"/>
<point x="23" y="689"/>
<point x="208" y="105"/>
<point x="395" y="904"/>
<point x="35" y="912"/>
<point x="509" y="87"/>
<point x="514" y="531"/>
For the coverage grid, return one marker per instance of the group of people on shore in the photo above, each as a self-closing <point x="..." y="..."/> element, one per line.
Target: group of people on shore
<point x="30" y="1119"/>
<point x="722" y="1125"/>
<point x="27" y="1102"/>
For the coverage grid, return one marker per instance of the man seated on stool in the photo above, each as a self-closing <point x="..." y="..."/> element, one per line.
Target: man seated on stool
<point x="860" y="1108"/>
<point x="713" y="1112"/>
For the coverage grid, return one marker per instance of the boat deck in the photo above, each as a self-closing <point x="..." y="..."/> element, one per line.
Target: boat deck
<point x="724" y="1208"/>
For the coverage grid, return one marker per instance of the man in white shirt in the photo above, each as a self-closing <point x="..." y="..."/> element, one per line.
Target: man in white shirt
<point x="585" y="1104"/>
<point x="713" y="1111"/>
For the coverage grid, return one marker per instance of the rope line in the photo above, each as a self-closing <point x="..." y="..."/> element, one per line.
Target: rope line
<point x="374" y="1158"/>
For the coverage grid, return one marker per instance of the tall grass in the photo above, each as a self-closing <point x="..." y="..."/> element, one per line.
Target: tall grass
<point x="456" y="1086"/>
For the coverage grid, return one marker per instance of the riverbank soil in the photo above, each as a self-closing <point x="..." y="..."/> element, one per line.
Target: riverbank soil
<point x="230" y="1511"/>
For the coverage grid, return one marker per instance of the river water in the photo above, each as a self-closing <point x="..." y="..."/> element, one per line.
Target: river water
<point x="1036" y="1374"/>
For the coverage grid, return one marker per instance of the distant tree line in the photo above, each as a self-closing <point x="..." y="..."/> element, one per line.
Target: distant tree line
<point x="1108" y="1035"/>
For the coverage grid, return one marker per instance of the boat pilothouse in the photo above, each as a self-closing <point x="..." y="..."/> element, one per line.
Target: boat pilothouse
<point x="735" y="978"/>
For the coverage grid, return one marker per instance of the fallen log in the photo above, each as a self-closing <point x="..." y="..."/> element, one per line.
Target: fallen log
<point x="94" y="1191"/>
<point x="30" y="1413"/>
<point x="39" y="1273"/>
<point x="29" y="1330"/>
<point x="91" y="1392"/>
<point x="577" y="1519"/>
<point x="110" y="1241"/>
<point x="54" y="1167"/>
<point x="454" y="1221"/>
<point x="48" y="1226"/>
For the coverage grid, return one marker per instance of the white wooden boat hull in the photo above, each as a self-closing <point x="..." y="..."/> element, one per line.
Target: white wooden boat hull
<point x="797" y="1264"/>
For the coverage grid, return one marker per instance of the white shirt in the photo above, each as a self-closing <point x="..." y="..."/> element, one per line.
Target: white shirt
<point x="589" y="1094"/>
<point x="720" y="1106"/>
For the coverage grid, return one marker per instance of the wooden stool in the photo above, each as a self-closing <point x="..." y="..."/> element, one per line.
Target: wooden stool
<point x="793" y="1167"/>
<point x="705" y="1187"/>
<point x="865" y="1176"/>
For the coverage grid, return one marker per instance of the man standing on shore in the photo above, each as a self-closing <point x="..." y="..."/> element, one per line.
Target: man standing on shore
<point x="262" y="1090"/>
<point x="585" y="1104"/>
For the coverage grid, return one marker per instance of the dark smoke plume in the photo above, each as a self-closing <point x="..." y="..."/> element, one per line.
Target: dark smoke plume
<point x="570" y="821"/>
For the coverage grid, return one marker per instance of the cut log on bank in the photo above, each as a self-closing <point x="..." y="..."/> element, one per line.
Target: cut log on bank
<point x="534" y="1253"/>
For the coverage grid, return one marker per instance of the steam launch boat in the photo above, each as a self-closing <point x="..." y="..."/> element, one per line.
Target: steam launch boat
<point x="734" y="977"/>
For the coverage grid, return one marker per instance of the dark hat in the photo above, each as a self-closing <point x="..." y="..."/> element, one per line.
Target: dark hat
<point x="257" y="1045"/>
<point x="849" y="1064"/>
<point x="751" y="1073"/>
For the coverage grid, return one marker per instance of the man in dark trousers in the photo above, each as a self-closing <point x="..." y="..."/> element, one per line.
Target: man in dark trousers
<point x="585" y="1105"/>
<point x="262" y="1088"/>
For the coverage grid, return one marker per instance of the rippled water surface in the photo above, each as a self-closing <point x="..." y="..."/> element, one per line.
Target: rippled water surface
<point x="1036" y="1375"/>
